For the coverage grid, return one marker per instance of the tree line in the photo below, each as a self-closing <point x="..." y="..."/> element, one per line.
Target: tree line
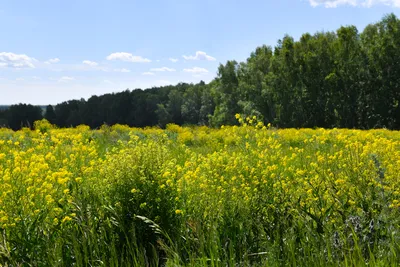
<point x="343" y="79"/>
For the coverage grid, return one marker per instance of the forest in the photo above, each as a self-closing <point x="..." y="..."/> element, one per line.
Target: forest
<point x="341" y="79"/>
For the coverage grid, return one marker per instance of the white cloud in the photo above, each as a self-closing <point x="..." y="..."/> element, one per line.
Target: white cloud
<point x="52" y="61"/>
<point x="16" y="60"/>
<point x="196" y="70"/>
<point x="363" y="3"/>
<point x="163" y="69"/>
<point x="90" y="63"/>
<point x="122" y="70"/>
<point x="123" y="56"/>
<point x="65" y="79"/>
<point x="148" y="73"/>
<point x="173" y="59"/>
<point x="200" y="55"/>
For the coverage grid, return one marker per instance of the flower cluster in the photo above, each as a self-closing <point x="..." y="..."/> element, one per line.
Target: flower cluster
<point x="239" y="182"/>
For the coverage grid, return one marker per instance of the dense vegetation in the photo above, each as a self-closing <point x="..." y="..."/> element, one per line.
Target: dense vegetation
<point x="341" y="79"/>
<point x="236" y="196"/>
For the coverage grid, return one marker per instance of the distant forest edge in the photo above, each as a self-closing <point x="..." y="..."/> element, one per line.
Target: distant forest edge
<point x="340" y="79"/>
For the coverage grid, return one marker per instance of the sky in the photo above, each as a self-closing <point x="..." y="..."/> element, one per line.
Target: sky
<point x="54" y="50"/>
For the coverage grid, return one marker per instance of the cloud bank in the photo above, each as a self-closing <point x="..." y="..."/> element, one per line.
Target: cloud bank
<point x="17" y="61"/>
<point x="90" y="63"/>
<point x="128" y="57"/>
<point x="200" y="55"/>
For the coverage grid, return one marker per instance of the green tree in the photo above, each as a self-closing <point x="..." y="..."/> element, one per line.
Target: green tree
<point x="23" y="115"/>
<point x="50" y="115"/>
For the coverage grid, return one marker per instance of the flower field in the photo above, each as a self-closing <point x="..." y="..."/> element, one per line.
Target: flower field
<point x="247" y="195"/>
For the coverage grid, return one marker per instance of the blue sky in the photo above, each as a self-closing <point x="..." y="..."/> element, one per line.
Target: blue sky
<point x="54" y="50"/>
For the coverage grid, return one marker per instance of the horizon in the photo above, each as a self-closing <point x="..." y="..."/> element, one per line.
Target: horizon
<point x="62" y="51"/>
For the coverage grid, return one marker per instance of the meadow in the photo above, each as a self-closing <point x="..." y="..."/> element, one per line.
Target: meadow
<point x="248" y="195"/>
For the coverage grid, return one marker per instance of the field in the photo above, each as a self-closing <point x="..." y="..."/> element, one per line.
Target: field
<point x="247" y="195"/>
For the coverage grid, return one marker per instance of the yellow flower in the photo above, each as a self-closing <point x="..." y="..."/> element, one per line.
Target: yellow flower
<point x="49" y="199"/>
<point x="3" y="219"/>
<point x="178" y="211"/>
<point x="66" y="219"/>
<point x="57" y="210"/>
